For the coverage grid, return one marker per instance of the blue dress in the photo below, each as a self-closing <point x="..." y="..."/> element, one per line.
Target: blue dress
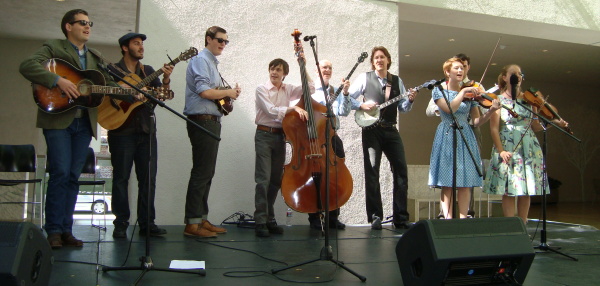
<point x="440" y="164"/>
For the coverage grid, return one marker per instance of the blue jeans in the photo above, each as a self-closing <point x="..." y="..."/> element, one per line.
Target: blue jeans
<point x="125" y="150"/>
<point x="67" y="151"/>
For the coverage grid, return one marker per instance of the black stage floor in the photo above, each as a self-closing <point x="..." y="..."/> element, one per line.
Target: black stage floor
<point x="241" y="258"/>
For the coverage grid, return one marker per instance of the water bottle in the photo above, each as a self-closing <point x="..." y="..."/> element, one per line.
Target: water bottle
<point x="288" y="217"/>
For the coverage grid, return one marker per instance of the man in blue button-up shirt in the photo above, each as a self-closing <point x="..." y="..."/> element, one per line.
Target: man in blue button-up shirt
<point x="201" y="90"/>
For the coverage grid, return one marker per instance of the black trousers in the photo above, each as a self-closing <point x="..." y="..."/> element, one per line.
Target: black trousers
<point x="125" y="150"/>
<point x="377" y="141"/>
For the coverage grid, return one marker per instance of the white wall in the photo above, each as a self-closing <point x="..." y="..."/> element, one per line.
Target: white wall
<point x="259" y="31"/>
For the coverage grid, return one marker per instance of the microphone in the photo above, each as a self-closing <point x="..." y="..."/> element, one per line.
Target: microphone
<point x="104" y="67"/>
<point x="434" y="83"/>
<point x="514" y="80"/>
<point x="308" y="38"/>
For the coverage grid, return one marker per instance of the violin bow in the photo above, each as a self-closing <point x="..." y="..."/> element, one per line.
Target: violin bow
<point x="490" y="61"/>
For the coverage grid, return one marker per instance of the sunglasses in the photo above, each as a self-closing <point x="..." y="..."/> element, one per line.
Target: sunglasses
<point x="82" y="23"/>
<point x="220" y="40"/>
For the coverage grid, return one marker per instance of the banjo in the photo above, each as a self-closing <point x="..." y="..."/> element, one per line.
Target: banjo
<point x="370" y="118"/>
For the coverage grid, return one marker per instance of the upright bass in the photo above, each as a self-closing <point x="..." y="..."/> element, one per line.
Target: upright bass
<point x="304" y="180"/>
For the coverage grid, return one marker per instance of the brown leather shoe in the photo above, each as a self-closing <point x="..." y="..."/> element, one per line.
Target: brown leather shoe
<point x="210" y="227"/>
<point x="55" y="241"/>
<point x="69" y="240"/>
<point x="194" y="230"/>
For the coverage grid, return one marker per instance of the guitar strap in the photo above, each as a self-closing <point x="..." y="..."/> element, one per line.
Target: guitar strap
<point x="388" y="91"/>
<point x="388" y="86"/>
<point x="224" y="83"/>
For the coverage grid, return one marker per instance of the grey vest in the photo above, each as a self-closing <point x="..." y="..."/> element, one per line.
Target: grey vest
<point x="375" y="92"/>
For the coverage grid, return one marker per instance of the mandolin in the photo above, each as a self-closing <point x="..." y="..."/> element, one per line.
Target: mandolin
<point x="225" y="104"/>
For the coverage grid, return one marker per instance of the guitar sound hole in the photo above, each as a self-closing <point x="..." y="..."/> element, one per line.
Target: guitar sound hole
<point x="85" y="87"/>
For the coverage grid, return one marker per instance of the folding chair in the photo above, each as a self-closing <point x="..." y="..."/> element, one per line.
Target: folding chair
<point x="22" y="159"/>
<point x="89" y="170"/>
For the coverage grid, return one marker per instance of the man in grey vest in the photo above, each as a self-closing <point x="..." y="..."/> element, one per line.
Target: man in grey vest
<point x="377" y="87"/>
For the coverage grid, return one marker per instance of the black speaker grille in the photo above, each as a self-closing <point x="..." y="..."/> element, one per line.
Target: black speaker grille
<point x="475" y="227"/>
<point x="10" y="233"/>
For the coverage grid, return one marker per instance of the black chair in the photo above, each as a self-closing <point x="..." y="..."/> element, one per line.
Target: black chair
<point x="89" y="169"/>
<point x="22" y="159"/>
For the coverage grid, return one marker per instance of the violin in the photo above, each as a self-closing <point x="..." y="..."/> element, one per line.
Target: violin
<point x="535" y="98"/>
<point x="485" y="98"/>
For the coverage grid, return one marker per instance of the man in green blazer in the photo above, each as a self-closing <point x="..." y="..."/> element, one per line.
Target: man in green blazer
<point x="68" y="134"/>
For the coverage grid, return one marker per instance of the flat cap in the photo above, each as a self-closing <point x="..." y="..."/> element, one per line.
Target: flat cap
<point x="123" y="41"/>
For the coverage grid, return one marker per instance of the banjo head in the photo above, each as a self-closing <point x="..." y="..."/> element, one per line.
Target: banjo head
<point x="366" y="118"/>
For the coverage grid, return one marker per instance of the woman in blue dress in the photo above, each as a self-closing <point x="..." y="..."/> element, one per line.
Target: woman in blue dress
<point x="441" y="162"/>
<point x="516" y="167"/>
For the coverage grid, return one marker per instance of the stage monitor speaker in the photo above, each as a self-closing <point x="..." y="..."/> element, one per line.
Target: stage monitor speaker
<point x="482" y="251"/>
<point x="25" y="255"/>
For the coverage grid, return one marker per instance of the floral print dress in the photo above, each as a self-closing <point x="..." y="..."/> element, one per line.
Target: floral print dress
<point x="523" y="175"/>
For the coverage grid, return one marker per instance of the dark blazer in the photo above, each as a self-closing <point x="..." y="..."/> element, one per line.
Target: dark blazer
<point x="32" y="69"/>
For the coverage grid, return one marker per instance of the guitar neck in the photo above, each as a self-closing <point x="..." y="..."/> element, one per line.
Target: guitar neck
<point x="147" y="80"/>
<point x="112" y="90"/>
<point x="339" y="90"/>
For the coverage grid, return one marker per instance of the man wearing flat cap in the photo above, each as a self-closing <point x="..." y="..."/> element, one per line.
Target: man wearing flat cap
<point x="135" y="142"/>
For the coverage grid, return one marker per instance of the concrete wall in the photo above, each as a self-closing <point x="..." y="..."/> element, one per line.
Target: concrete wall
<point x="259" y="31"/>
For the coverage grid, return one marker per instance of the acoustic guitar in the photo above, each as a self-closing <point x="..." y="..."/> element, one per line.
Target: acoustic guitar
<point x="112" y="112"/>
<point x="370" y="118"/>
<point x="90" y="84"/>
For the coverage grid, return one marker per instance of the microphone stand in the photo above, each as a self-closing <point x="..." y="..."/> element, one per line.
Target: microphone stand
<point x="146" y="261"/>
<point x="543" y="240"/>
<point x="456" y="126"/>
<point x="326" y="252"/>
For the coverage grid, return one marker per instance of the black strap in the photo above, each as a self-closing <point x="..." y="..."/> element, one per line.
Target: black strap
<point x="224" y="83"/>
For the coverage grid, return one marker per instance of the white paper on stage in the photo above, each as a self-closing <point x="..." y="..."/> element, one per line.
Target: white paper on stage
<point x="186" y="264"/>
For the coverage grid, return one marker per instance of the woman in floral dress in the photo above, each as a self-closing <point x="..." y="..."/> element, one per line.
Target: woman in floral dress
<point x="516" y="167"/>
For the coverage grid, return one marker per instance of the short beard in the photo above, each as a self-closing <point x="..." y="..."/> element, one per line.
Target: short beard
<point x="133" y="56"/>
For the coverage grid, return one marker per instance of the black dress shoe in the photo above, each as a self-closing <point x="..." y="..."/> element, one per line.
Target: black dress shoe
<point x="274" y="228"/>
<point x="402" y="225"/>
<point x="120" y="230"/>
<point x="154" y="230"/>
<point x="316" y="224"/>
<point x="261" y="230"/>
<point x="337" y="225"/>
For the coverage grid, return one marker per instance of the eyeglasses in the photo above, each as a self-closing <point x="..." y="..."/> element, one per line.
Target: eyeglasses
<point x="221" y="40"/>
<point x="83" y="23"/>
